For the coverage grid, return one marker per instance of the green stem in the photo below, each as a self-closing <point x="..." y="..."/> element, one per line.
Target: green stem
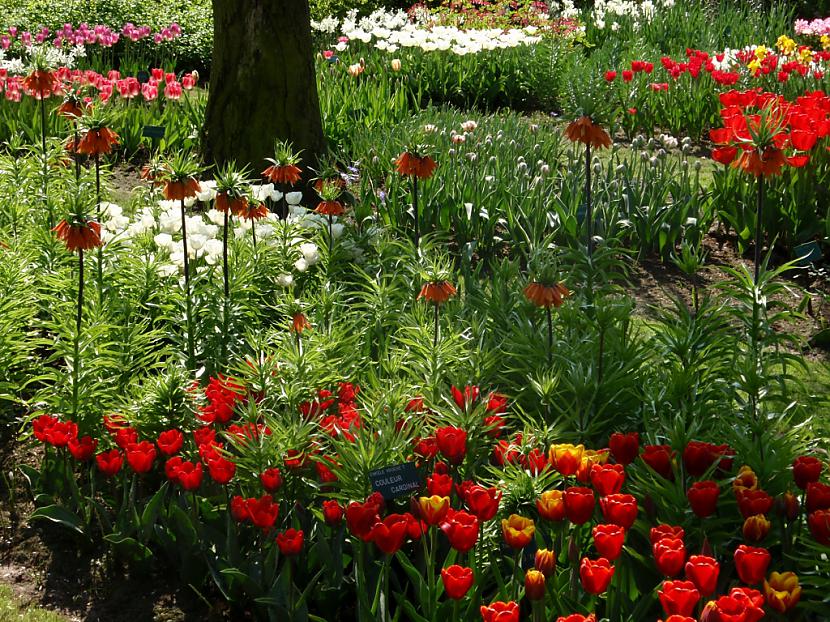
<point x="435" y="336"/>
<point x="78" y="321"/>
<point x="550" y="334"/>
<point x="759" y="225"/>
<point x="191" y="356"/>
<point x="98" y="215"/>
<point x="415" y="210"/>
<point x="589" y="212"/>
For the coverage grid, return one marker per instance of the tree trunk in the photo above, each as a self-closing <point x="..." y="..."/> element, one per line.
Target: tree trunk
<point x="263" y="84"/>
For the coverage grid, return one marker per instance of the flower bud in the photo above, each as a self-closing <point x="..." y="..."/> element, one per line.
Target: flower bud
<point x="534" y="585"/>
<point x="545" y="561"/>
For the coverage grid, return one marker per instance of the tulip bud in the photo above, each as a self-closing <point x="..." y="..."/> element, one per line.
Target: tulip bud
<point x="787" y="506"/>
<point x="573" y="550"/>
<point x="534" y="585"/>
<point x="756" y="528"/>
<point x="545" y="561"/>
<point x="396" y="64"/>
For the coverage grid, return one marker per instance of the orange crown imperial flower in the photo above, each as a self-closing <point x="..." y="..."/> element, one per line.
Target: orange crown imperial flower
<point x="415" y="165"/>
<point x="41" y="83"/>
<point x="178" y="189"/>
<point x="299" y="322"/>
<point x="584" y="130"/>
<point x="251" y="210"/>
<point x="79" y="235"/>
<point x="437" y="292"/>
<point x="283" y="173"/>
<point x="330" y="208"/>
<point x="543" y="295"/>
<point x="98" y="141"/>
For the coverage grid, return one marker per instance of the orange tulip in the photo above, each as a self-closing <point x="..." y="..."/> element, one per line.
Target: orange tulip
<point x="551" y="505"/>
<point x="433" y="509"/>
<point x="566" y="458"/>
<point x="782" y="591"/>
<point x="517" y="531"/>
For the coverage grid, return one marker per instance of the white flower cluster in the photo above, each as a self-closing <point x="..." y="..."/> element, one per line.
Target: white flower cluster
<point x="391" y="31"/>
<point x="607" y="12"/>
<point x="52" y="57"/>
<point x="163" y="223"/>
<point x="564" y="9"/>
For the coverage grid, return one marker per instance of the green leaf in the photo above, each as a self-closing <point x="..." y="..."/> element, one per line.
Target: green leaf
<point x="60" y="515"/>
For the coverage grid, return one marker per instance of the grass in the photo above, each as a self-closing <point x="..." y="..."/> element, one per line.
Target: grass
<point x="11" y="611"/>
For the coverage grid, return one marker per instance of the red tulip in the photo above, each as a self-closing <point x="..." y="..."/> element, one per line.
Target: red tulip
<point x="189" y="475"/>
<point x="703" y="572"/>
<point x="82" y="449"/>
<point x="608" y="540"/>
<point x="452" y="443"/>
<point x="624" y="447"/>
<point x="483" y="502"/>
<point x="390" y="533"/>
<point x="461" y="530"/>
<point x="332" y="513"/>
<point x="439" y="484"/>
<point x="109" y="462"/>
<point x="579" y="504"/>
<point x="703" y="497"/>
<point x="666" y="531"/>
<point x="271" y="479"/>
<point x="678" y="597"/>
<point x="607" y="479"/>
<point x="819" y="522"/>
<point x="221" y="470"/>
<point x="818" y="497"/>
<point x="500" y="612"/>
<point x="262" y="512"/>
<point x="361" y="517"/>
<point x="595" y="575"/>
<point x="752" y="502"/>
<point x="578" y="617"/>
<point x="290" y="542"/>
<point x="140" y="456"/>
<point x="806" y="469"/>
<point x="659" y="458"/>
<point x="619" y="509"/>
<point x="669" y="555"/>
<point x="751" y="563"/>
<point x="170" y="442"/>
<point x="457" y="581"/>
<point x="699" y="457"/>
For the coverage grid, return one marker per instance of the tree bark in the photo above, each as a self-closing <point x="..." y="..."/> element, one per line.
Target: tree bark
<point x="263" y="84"/>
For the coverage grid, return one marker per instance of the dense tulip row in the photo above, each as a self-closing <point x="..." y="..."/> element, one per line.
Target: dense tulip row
<point x="585" y="487"/>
